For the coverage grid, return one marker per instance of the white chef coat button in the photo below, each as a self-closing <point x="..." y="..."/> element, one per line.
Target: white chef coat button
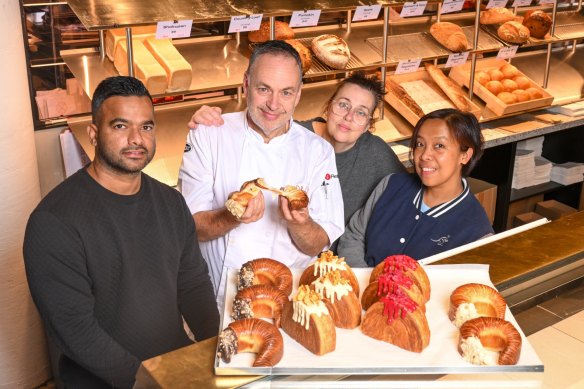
<point x="417" y="217"/>
<point x="402" y="240"/>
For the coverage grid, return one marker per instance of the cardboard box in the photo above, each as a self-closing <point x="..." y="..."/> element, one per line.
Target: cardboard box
<point x="486" y="194"/>
<point x="522" y="206"/>
<point x="553" y="209"/>
<point x="525" y="218"/>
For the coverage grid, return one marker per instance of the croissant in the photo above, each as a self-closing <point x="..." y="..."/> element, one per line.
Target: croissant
<point x="396" y="319"/>
<point x="371" y="295"/>
<point x="482" y="336"/>
<point x="409" y="266"/>
<point x="297" y="198"/>
<point x="473" y="300"/>
<point x="325" y="263"/>
<point x="259" y="301"/>
<point x="265" y="271"/>
<point x="339" y="298"/>
<point x="251" y="336"/>
<point x="237" y="202"/>
<point x="307" y="321"/>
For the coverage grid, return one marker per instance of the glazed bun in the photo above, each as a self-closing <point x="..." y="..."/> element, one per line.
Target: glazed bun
<point x="509" y="85"/>
<point x="507" y="97"/>
<point x="509" y="71"/>
<point x="482" y="77"/>
<point x="522" y="82"/>
<point x="521" y="95"/>
<point x="496" y="75"/>
<point x="495" y="87"/>
<point x="534" y="93"/>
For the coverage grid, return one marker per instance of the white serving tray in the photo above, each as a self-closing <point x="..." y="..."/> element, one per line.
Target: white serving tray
<point x="356" y="353"/>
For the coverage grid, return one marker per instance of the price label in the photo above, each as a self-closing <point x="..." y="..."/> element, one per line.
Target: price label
<point x="366" y="12"/>
<point x="521" y="3"/>
<point x="456" y="59"/>
<point x="305" y="18"/>
<point x="413" y="9"/>
<point x="497" y="4"/>
<point x="174" y="29"/>
<point x="451" y="6"/>
<point x="408" y="66"/>
<point x="245" y="23"/>
<point x="507" y="52"/>
<point x="541" y="2"/>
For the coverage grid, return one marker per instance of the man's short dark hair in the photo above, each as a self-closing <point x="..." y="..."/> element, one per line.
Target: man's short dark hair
<point x="275" y="47"/>
<point x="116" y="86"/>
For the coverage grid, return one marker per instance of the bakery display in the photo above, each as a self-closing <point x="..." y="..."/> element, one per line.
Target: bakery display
<point x="407" y="265"/>
<point x="449" y="87"/>
<point x="306" y="319"/>
<point x="513" y="32"/>
<point x="473" y="300"/>
<point x="303" y="52"/>
<point x="178" y="71"/>
<point x="538" y="22"/>
<point x="489" y="341"/>
<point x="327" y="262"/>
<point x="496" y="15"/>
<point x="331" y="50"/>
<point x="450" y="35"/>
<point x="114" y="36"/>
<point x="260" y="301"/>
<point x="339" y="298"/>
<point x="146" y="67"/>
<point x="237" y="201"/>
<point x="251" y="336"/>
<point x="282" y="31"/>
<point x="265" y="271"/>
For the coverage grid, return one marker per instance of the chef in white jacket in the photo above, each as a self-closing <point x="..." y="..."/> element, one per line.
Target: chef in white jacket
<point x="262" y="141"/>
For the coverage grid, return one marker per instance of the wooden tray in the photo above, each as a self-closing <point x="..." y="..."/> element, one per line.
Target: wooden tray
<point x="461" y="74"/>
<point x="421" y="74"/>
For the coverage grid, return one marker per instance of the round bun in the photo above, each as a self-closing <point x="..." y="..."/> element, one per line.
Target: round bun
<point x="534" y="93"/>
<point x="509" y="85"/>
<point x="522" y="82"/>
<point x="474" y="300"/>
<point x="509" y="71"/>
<point x="251" y="336"/>
<point x="481" y="336"/>
<point x="495" y="87"/>
<point x="265" y="271"/>
<point x="496" y="75"/>
<point x="282" y="31"/>
<point x="482" y="77"/>
<point x="507" y="97"/>
<point x="521" y="95"/>
<point x="538" y="23"/>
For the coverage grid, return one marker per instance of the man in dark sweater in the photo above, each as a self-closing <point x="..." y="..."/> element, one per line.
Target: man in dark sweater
<point x="111" y="254"/>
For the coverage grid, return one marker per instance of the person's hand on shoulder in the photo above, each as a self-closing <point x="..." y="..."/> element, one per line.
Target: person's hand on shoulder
<point x="207" y="116"/>
<point x="254" y="210"/>
<point x="300" y="216"/>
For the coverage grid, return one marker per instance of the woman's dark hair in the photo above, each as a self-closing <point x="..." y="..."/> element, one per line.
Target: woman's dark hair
<point x="275" y="47"/>
<point x="370" y="84"/>
<point x="116" y="86"/>
<point x="463" y="126"/>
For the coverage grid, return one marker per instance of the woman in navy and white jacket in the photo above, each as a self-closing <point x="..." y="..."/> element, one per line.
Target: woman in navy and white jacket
<point x="428" y="212"/>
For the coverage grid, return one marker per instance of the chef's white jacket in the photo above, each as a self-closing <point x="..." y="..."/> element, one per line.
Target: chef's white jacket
<point x="217" y="161"/>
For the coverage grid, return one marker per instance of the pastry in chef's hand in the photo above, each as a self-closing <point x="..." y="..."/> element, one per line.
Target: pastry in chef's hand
<point x="238" y="201"/>
<point x="297" y="198"/>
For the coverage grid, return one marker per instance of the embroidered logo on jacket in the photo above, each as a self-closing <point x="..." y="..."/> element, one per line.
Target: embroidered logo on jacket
<point x="441" y="241"/>
<point x="188" y="147"/>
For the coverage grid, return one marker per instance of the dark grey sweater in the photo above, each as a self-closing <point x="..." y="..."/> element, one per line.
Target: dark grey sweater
<point x="111" y="276"/>
<point x="361" y="168"/>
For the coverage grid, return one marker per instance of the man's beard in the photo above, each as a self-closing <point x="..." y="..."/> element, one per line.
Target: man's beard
<point x="116" y="163"/>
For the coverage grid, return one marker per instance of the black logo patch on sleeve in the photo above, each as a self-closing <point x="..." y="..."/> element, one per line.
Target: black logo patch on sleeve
<point x="188" y="147"/>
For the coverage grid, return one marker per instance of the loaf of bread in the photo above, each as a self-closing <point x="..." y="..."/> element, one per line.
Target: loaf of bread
<point x="450" y="35"/>
<point x="405" y="98"/>
<point x="303" y="52"/>
<point x="496" y="15"/>
<point x="449" y="87"/>
<point x="513" y="32"/>
<point x="332" y="50"/>
<point x="538" y="23"/>
<point x="146" y="67"/>
<point x="178" y="71"/>
<point x="115" y="36"/>
<point x="282" y="32"/>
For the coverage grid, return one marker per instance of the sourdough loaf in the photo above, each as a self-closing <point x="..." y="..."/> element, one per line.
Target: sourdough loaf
<point x="331" y="50"/>
<point x="282" y="32"/>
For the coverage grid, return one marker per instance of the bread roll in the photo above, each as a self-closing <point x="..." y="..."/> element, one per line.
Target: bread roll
<point x="282" y="32"/>
<point x="509" y="85"/>
<point x="496" y="75"/>
<point x="495" y="87"/>
<point x="509" y="71"/>
<point x="178" y="71"/>
<point x="522" y="82"/>
<point x="521" y="95"/>
<point x="303" y="52"/>
<point x="534" y="93"/>
<point x="450" y="35"/>
<point x="538" y="23"/>
<point x="496" y="15"/>
<point x="513" y="32"/>
<point x="482" y="77"/>
<point x="507" y="97"/>
<point x="331" y="50"/>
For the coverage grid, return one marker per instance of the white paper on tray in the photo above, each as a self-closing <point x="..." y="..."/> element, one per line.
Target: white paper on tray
<point x="356" y="353"/>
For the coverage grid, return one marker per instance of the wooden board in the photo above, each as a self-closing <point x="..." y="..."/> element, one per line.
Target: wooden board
<point x="423" y="75"/>
<point x="461" y="74"/>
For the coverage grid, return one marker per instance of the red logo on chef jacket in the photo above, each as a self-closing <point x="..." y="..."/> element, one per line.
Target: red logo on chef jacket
<point x="327" y="177"/>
